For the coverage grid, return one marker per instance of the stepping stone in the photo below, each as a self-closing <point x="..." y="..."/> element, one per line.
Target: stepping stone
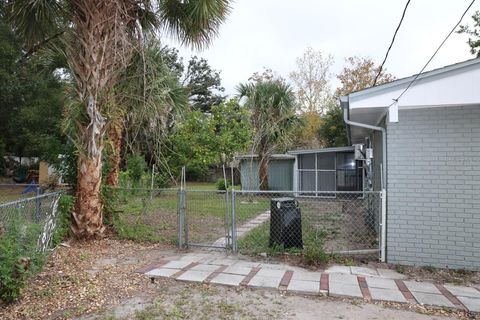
<point x="205" y="267"/>
<point x="306" y="276"/>
<point x="363" y="271"/>
<point x="391" y="274"/>
<point x="228" y="279"/>
<point x="343" y="289"/>
<point x="381" y="283"/>
<point x="195" y="276"/>
<point x="433" y="299"/>
<point x="177" y="264"/>
<point x="343" y="278"/>
<point x="271" y="273"/>
<point x="424" y="287"/>
<point x="339" y="269"/>
<point x="310" y="287"/>
<point x="264" y="282"/>
<point x="238" y="269"/>
<point x="463" y="291"/>
<point x="162" y="272"/>
<point x="472" y="304"/>
<point x="387" y="294"/>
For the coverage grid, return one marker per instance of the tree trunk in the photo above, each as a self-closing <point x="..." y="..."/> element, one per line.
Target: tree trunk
<point x="87" y="215"/>
<point x="115" y="135"/>
<point x="263" y="171"/>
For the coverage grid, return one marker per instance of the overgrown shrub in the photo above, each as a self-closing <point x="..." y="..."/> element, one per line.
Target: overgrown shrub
<point x="221" y="185"/>
<point x="136" y="167"/>
<point x="19" y="257"/>
<point x="65" y="206"/>
<point x="313" y="249"/>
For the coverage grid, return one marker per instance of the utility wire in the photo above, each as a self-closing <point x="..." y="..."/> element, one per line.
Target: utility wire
<point x="391" y="44"/>
<point x="435" y="53"/>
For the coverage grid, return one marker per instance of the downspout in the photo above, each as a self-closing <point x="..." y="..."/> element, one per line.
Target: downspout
<point x="344" y="102"/>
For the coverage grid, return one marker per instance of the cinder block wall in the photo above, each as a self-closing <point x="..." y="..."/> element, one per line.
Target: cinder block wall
<point x="434" y="188"/>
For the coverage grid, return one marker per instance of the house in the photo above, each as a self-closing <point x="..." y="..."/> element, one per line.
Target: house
<point x="315" y="170"/>
<point x="426" y="155"/>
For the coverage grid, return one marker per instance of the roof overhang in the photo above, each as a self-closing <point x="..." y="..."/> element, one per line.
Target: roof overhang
<point x="450" y="86"/>
<point x="323" y="150"/>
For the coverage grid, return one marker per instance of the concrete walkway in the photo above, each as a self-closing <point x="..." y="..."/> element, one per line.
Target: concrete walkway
<point x="245" y="228"/>
<point x="342" y="281"/>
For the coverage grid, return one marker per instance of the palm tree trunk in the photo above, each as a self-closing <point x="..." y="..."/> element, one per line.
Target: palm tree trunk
<point x="115" y="135"/>
<point x="87" y="215"/>
<point x="263" y="171"/>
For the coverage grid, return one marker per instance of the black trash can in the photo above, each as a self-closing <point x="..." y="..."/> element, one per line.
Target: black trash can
<point x="285" y="223"/>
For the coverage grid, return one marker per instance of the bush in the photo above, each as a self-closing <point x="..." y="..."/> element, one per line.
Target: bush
<point x="136" y="166"/>
<point x="18" y="258"/>
<point x="221" y="185"/>
<point x="65" y="206"/>
<point x="313" y="249"/>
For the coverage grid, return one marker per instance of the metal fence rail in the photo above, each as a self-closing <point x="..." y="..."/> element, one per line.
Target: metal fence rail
<point x="286" y="221"/>
<point x="33" y="218"/>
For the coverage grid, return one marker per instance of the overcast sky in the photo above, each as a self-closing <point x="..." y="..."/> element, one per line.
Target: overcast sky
<point x="273" y="33"/>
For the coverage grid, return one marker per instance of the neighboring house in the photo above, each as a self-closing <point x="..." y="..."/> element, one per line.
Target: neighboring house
<point x="429" y="154"/>
<point x="329" y="169"/>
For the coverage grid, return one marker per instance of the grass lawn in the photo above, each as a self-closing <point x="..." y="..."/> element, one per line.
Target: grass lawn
<point x="155" y="219"/>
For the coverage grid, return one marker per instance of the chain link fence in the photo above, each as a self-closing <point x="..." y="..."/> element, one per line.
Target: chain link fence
<point x="10" y="192"/>
<point x="337" y="222"/>
<point x="31" y="221"/>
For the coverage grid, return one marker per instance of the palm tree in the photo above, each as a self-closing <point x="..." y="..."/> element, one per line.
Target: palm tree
<point x="99" y="37"/>
<point x="147" y="97"/>
<point x="272" y="114"/>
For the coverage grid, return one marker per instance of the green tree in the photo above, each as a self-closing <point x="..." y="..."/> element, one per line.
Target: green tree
<point x="333" y="130"/>
<point x="273" y="117"/>
<point x="99" y="37"/>
<point x="474" y="33"/>
<point x="32" y="102"/>
<point x="199" y="140"/>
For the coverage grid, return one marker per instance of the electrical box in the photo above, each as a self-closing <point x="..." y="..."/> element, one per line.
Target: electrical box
<point x="369" y="153"/>
<point x="359" y="152"/>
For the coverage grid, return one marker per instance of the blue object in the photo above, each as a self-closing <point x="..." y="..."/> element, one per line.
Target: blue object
<point x="32" y="187"/>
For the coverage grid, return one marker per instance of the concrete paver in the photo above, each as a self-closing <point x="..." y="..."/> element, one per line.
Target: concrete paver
<point x="381" y="283"/>
<point x="363" y="271"/>
<point x="312" y="287"/>
<point x="177" y="264"/>
<point x="271" y="273"/>
<point x="205" y="267"/>
<point x="424" y="287"/>
<point x="264" y="282"/>
<point x="162" y="272"/>
<point x="228" y="279"/>
<point x="391" y="274"/>
<point x="342" y="289"/>
<point x="339" y="269"/>
<point x="472" y="304"/>
<point x="387" y="294"/>
<point x="306" y="276"/>
<point x="343" y="278"/>
<point x="463" y="291"/>
<point x="238" y="269"/>
<point x="195" y="276"/>
<point x="432" y="299"/>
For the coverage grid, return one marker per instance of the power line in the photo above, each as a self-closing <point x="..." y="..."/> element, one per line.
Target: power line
<point x="435" y="53"/>
<point x="391" y="44"/>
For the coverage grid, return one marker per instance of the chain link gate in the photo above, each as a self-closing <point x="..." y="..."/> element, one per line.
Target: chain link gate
<point x="241" y="221"/>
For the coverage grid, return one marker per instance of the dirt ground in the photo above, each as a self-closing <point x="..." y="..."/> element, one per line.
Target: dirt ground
<point x="96" y="280"/>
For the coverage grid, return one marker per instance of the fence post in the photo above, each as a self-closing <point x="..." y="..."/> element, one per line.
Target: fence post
<point x="383" y="241"/>
<point x="181" y="217"/>
<point x="37" y="205"/>
<point x="151" y="182"/>
<point x="234" y="226"/>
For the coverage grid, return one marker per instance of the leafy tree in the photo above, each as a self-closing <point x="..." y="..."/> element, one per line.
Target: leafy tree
<point x="311" y="80"/>
<point x="106" y="31"/>
<point x="306" y="135"/>
<point x="333" y="130"/>
<point x="199" y="140"/>
<point x="273" y="117"/>
<point x="358" y="74"/>
<point x="203" y="84"/>
<point x="474" y="33"/>
<point x="32" y="102"/>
